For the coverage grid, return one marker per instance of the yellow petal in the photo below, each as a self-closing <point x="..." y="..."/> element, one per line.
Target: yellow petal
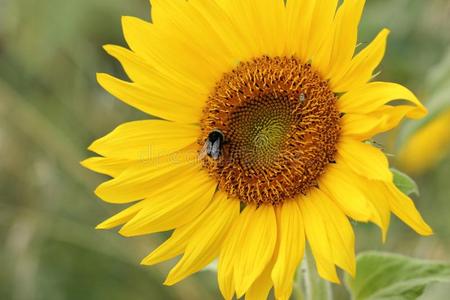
<point x="137" y="69"/>
<point x="219" y="19"/>
<point x="151" y="101"/>
<point x="257" y="240"/>
<point x="309" y="23"/>
<point x="148" y="178"/>
<point x="144" y="140"/>
<point x="227" y="258"/>
<point x="122" y="217"/>
<point x="338" y="49"/>
<point x="183" y="236"/>
<point x="205" y="243"/>
<point x="174" y="53"/>
<point x="298" y="23"/>
<point x="201" y="25"/>
<point x="346" y="35"/>
<point x="403" y="207"/>
<point x="337" y="182"/>
<point x="265" y="31"/>
<point x="142" y="72"/>
<point x="378" y="196"/>
<point x="340" y="232"/>
<point x="291" y="249"/>
<point x="177" y="242"/>
<point x="362" y="66"/>
<point x="372" y="96"/>
<point x="321" y="23"/>
<point x="260" y="289"/>
<point x="173" y="246"/>
<point x="108" y="166"/>
<point x="361" y="127"/>
<point x="391" y="116"/>
<point x="317" y="235"/>
<point x="173" y="208"/>
<point x="364" y="159"/>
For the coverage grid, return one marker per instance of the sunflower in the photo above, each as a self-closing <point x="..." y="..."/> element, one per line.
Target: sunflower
<point x="265" y="113"/>
<point x="427" y="146"/>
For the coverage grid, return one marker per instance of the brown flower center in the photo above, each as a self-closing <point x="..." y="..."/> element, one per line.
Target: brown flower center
<point x="280" y="126"/>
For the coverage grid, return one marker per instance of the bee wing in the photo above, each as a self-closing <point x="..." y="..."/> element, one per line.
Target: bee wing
<point x="215" y="150"/>
<point x="205" y="149"/>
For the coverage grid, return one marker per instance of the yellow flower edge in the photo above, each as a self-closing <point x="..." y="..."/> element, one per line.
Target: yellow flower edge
<point x="427" y="146"/>
<point x="174" y="64"/>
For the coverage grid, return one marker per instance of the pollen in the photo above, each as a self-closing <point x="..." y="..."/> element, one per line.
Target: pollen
<point x="280" y="125"/>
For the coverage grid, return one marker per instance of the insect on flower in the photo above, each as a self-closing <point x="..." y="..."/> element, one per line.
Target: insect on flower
<point x="213" y="146"/>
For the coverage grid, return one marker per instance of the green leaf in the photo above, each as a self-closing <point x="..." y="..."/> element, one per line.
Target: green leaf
<point x="405" y="183"/>
<point x="384" y="276"/>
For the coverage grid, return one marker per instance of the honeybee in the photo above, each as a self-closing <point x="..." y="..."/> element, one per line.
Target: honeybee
<point x="302" y="97"/>
<point x="213" y="145"/>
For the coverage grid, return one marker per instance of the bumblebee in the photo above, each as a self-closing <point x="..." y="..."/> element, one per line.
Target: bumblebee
<point x="213" y="145"/>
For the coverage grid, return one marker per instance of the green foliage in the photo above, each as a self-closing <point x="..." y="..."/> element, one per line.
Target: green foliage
<point x="405" y="183"/>
<point x="438" y="93"/>
<point x="384" y="276"/>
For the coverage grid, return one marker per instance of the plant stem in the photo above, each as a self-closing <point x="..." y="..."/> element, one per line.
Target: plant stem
<point x="315" y="288"/>
<point x="298" y="290"/>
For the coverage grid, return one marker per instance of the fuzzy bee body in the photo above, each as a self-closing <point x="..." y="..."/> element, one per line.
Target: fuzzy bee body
<point x="302" y="97"/>
<point x="213" y="145"/>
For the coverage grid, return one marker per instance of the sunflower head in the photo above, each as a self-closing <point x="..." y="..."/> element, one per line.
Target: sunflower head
<point x="277" y="115"/>
<point x="276" y="94"/>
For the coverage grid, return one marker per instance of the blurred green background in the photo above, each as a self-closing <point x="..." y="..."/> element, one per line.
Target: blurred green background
<point x="51" y="108"/>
